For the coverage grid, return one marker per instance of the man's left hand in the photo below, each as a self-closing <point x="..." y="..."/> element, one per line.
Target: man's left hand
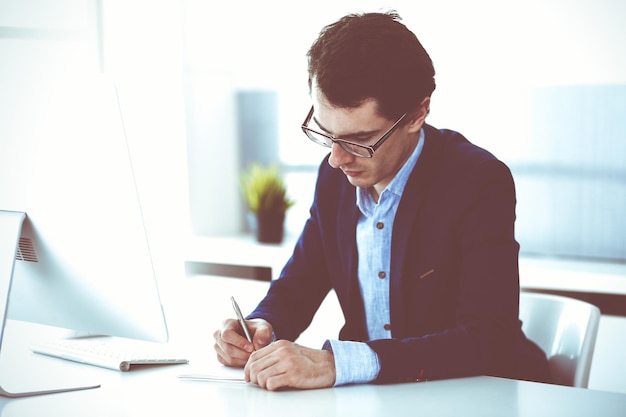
<point x="286" y="364"/>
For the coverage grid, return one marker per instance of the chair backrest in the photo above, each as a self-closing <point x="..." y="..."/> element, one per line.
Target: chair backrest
<point x="565" y="329"/>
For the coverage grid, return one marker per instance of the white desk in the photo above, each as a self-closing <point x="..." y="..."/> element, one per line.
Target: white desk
<point x="159" y="392"/>
<point x="193" y="314"/>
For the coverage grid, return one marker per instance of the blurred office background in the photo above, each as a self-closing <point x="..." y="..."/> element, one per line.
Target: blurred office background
<point x="542" y="84"/>
<point x="208" y="87"/>
<point x="213" y="86"/>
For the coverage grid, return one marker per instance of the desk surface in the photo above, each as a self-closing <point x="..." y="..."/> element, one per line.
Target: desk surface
<point x="159" y="391"/>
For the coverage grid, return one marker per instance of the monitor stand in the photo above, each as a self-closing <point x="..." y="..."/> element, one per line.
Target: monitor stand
<point x="11" y="385"/>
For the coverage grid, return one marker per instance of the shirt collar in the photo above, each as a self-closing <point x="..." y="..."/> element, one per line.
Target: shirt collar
<point x="398" y="182"/>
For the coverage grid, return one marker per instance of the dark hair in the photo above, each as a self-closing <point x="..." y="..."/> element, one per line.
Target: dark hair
<point x="371" y="56"/>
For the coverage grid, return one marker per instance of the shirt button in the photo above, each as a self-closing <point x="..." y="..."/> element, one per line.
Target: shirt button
<point x="382" y="275"/>
<point x="380" y="225"/>
<point x="387" y="327"/>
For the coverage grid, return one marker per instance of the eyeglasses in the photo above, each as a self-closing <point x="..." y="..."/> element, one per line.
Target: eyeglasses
<point x="364" y="151"/>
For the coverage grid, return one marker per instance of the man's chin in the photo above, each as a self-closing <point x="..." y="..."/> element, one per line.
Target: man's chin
<point x="358" y="182"/>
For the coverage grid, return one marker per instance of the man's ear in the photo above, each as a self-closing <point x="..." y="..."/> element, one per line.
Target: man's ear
<point x="418" y="117"/>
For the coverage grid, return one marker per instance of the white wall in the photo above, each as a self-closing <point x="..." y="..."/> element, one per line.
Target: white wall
<point x="142" y="50"/>
<point x="138" y="44"/>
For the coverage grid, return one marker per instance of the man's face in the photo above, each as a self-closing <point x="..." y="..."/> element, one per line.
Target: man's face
<point x="364" y="125"/>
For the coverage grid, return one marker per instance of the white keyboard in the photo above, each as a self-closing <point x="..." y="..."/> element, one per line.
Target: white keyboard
<point x="111" y="353"/>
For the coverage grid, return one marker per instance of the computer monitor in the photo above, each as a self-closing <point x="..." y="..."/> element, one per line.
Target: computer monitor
<point x="78" y="255"/>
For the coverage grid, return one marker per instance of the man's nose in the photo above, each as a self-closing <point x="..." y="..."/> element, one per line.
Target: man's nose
<point x="339" y="156"/>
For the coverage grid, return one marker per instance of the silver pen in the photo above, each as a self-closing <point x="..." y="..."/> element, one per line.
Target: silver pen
<point x="240" y="318"/>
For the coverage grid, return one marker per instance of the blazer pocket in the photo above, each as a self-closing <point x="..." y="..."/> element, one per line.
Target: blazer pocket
<point x="427" y="274"/>
<point x="429" y="277"/>
<point x="432" y="271"/>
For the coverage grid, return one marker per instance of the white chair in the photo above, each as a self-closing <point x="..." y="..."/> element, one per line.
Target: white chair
<point x="565" y="329"/>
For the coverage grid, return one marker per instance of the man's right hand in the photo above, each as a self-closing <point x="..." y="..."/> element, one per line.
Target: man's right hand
<point x="231" y="345"/>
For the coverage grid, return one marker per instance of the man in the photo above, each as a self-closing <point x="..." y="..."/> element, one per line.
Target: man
<point x="413" y="228"/>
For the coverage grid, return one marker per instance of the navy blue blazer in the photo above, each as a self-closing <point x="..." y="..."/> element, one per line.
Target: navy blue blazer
<point x="454" y="282"/>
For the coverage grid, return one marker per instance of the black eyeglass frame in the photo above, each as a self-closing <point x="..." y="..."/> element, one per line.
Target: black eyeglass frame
<point x="345" y="144"/>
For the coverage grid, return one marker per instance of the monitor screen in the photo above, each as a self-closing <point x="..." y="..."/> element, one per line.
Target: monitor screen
<point x="84" y="261"/>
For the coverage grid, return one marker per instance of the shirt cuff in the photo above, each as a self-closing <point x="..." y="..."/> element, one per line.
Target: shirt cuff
<point x="355" y="362"/>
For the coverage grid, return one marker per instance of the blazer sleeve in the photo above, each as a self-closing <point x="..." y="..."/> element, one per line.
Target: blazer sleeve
<point x="293" y="298"/>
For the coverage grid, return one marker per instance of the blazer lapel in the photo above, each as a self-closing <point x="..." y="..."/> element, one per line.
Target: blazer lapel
<point x="413" y="196"/>
<point x="348" y="259"/>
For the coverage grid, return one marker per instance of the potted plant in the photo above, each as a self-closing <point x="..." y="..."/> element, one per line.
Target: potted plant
<point x="265" y="193"/>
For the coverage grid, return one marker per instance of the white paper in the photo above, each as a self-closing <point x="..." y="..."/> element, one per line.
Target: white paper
<point x="218" y="374"/>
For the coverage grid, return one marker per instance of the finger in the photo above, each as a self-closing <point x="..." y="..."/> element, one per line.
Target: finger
<point x="231" y="356"/>
<point x="272" y="372"/>
<point x="273" y="379"/>
<point x="232" y="334"/>
<point x="222" y="357"/>
<point x="228" y="353"/>
<point x="277" y="381"/>
<point x="261" y="362"/>
<point x="262" y="333"/>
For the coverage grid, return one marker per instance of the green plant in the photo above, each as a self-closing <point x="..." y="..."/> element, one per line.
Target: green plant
<point x="264" y="189"/>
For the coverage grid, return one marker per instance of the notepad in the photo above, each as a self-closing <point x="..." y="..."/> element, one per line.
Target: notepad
<point x="215" y="374"/>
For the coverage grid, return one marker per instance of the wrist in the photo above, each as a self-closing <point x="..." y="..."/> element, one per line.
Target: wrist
<point x="330" y="360"/>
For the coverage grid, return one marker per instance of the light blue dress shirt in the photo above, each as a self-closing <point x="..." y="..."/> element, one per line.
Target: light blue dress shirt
<point x="356" y="362"/>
